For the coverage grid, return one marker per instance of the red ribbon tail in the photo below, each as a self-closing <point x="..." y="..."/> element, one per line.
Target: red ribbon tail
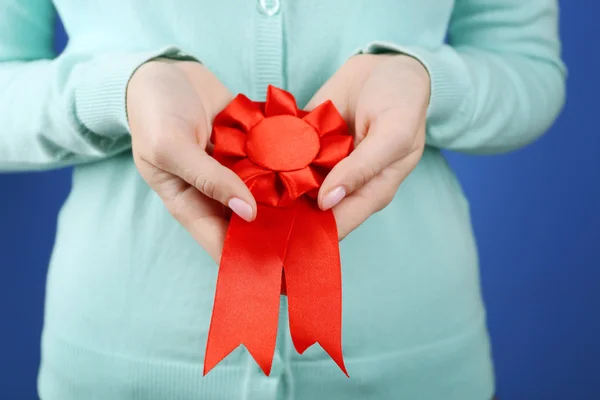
<point x="246" y="307"/>
<point x="314" y="282"/>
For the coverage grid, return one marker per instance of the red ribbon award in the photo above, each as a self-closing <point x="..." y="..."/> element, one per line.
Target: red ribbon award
<point x="283" y="155"/>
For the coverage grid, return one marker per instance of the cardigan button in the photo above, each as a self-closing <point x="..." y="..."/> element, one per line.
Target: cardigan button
<point x="269" y="7"/>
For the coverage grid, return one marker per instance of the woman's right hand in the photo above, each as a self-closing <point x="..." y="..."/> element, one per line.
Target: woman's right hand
<point x="170" y="107"/>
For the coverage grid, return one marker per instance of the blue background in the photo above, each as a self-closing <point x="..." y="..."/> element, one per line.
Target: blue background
<point x="536" y="218"/>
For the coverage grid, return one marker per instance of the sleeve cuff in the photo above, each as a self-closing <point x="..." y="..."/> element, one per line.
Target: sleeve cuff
<point x="450" y="80"/>
<point x="100" y="93"/>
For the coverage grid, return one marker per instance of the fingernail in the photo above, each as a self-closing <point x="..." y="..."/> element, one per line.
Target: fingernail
<point x="333" y="198"/>
<point x="241" y="208"/>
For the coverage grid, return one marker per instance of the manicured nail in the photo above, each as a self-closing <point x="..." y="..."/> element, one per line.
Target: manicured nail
<point x="241" y="208"/>
<point x="333" y="198"/>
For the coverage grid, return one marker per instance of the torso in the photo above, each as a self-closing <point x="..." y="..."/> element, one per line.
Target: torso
<point x="127" y="282"/>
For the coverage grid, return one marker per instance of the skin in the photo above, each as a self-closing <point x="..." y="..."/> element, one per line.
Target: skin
<point x="171" y="104"/>
<point x="384" y="99"/>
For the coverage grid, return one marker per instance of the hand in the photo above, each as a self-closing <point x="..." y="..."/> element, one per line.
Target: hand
<point x="170" y="106"/>
<point x="384" y="99"/>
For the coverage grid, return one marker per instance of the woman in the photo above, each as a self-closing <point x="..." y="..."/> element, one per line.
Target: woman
<point x="133" y="273"/>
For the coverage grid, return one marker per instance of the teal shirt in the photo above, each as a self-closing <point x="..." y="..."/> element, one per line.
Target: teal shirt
<point x="129" y="293"/>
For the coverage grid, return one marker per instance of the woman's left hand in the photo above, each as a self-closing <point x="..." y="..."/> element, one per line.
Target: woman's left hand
<point x="384" y="100"/>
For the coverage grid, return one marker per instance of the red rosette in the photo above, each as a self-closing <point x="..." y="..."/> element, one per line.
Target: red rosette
<point x="283" y="155"/>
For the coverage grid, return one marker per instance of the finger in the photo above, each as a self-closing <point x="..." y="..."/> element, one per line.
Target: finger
<point x="208" y="230"/>
<point x="202" y="218"/>
<point x="212" y="179"/>
<point x="351" y="213"/>
<point x="370" y="199"/>
<point x="374" y="196"/>
<point x="329" y="92"/>
<point x="383" y="145"/>
<point x="344" y="86"/>
<point x="334" y="90"/>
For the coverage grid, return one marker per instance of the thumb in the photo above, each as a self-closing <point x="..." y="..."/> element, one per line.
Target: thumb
<point x="371" y="156"/>
<point x="350" y="174"/>
<point x="212" y="179"/>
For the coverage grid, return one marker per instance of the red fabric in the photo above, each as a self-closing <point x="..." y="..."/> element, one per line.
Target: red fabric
<point x="283" y="155"/>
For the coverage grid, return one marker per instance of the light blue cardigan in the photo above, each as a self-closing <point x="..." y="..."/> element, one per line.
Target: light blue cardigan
<point x="130" y="293"/>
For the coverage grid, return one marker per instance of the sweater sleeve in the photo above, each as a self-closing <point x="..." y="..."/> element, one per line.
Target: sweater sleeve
<point x="499" y="82"/>
<point x="59" y="111"/>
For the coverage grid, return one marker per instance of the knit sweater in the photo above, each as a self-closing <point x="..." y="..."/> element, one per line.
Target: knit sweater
<point x="129" y="293"/>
